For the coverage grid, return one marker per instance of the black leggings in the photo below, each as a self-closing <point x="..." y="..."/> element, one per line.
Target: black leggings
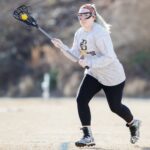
<point x="89" y="87"/>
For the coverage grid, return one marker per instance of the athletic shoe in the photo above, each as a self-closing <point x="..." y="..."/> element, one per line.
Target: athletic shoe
<point x="134" y="131"/>
<point x="87" y="139"/>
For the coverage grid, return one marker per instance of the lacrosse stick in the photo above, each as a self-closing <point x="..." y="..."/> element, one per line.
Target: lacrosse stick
<point x="22" y="14"/>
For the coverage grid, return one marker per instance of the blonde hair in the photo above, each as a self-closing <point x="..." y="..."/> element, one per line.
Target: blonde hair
<point x="99" y="18"/>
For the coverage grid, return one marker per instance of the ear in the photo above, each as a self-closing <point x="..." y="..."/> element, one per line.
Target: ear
<point x="94" y="17"/>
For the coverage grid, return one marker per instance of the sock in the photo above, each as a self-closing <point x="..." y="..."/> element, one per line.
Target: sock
<point x="89" y="130"/>
<point x="129" y="123"/>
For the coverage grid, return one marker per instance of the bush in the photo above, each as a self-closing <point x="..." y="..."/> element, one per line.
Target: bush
<point x="140" y="62"/>
<point x="53" y="79"/>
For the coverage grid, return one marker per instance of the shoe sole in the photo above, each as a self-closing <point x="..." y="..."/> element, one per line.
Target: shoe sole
<point x="83" y="145"/>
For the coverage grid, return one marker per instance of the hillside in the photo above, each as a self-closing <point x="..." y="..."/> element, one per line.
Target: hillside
<point x="25" y="54"/>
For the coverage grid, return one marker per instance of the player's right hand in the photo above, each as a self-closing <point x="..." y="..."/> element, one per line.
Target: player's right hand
<point x="57" y="43"/>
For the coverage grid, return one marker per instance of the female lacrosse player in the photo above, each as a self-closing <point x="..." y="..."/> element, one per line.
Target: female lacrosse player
<point x="93" y="46"/>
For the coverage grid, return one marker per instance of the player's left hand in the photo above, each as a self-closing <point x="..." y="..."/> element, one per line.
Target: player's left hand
<point x="84" y="62"/>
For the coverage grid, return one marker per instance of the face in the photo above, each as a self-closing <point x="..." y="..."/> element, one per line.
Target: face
<point x="85" y="18"/>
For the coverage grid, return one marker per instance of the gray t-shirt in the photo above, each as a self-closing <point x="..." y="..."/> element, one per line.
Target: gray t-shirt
<point x="96" y="46"/>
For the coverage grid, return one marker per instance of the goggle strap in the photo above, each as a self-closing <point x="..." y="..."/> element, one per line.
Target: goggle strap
<point x="89" y="16"/>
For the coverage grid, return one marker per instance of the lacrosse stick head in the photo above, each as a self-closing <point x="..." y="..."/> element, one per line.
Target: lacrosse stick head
<point x="22" y="14"/>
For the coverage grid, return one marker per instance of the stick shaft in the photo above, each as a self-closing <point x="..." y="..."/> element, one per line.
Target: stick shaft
<point x="45" y="33"/>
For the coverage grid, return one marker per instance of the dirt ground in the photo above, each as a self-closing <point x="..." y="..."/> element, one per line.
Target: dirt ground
<point x="53" y="124"/>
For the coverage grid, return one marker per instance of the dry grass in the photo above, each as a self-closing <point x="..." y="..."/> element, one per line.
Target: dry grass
<point x="36" y="124"/>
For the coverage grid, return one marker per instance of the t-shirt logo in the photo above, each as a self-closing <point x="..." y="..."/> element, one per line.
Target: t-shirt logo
<point x="83" y="44"/>
<point x="83" y="47"/>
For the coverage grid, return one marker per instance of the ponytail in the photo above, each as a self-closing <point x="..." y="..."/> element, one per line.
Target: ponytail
<point x="100" y="20"/>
